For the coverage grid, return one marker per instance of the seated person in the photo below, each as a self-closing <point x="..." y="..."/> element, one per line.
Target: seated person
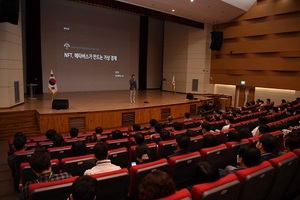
<point x="177" y="126"/>
<point x="84" y="188"/>
<point x="187" y="117"/>
<point x="91" y="138"/>
<point x="191" y="133"/>
<point x="136" y="127"/>
<point x="78" y="148"/>
<point x="182" y="145"/>
<point x="233" y="136"/>
<point x="210" y="140"/>
<point x="266" y="144"/>
<point x="169" y="121"/>
<point x="139" y="139"/>
<point x="142" y="154"/>
<point x="205" y="172"/>
<point x="229" y="120"/>
<point x="206" y="128"/>
<point x="58" y="140"/>
<point x="156" y="185"/>
<point x="261" y="120"/>
<point x="165" y="135"/>
<point x="98" y="133"/>
<point x="245" y="133"/>
<point x="50" y="133"/>
<point x="292" y="141"/>
<point x="248" y="156"/>
<point x="74" y="132"/>
<point x="41" y="167"/>
<point x="103" y="164"/>
<point x="158" y="127"/>
<point x="117" y="134"/>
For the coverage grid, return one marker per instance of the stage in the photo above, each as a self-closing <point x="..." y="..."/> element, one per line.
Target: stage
<point x="109" y="109"/>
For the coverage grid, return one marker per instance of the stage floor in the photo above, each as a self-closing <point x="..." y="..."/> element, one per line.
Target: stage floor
<point x="103" y="101"/>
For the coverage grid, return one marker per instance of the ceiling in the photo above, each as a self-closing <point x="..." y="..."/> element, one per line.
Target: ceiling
<point x="206" y="11"/>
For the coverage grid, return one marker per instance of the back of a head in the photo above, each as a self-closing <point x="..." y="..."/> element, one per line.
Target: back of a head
<point x="165" y="135"/>
<point x="74" y="132"/>
<point x="191" y="133"/>
<point x="50" y="133"/>
<point x="233" y="135"/>
<point x="183" y="141"/>
<point x="98" y="130"/>
<point x="187" y="115"/>
<point x="136" y="127"/>
<point x="245" y="132"/>
<point x="78" y="148"/>
<point x="250" y="155"/>
<point x="40" y="161"/>
<point x="158" y="127"/>
<point x="58" y="140"/>
<point x="100" y="151"/>
<point x="84" y="188"/>
<point x="206" y="126"/>
<point x="268" y="142"/>
<point x="152" y="122"/>
<point x="19" y="142"/>
<point x="210" y="140"/>
<point x="292" y="140"/>
<point x="142" y="152"/>
<point x="177" y="126"/>
<point x="117" y="134"/>
<point x="155" y="185"/>
<point x="263" y="128"/>
<point x="91" y="138"/>
<point x="170" y="118"/>
<point x="205" y="172"/>
<point x="139" y="138"/>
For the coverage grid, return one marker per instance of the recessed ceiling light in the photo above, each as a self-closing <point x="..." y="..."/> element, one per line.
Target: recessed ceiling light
<point x="192" y="0"/>
<point x="173" y="10"/>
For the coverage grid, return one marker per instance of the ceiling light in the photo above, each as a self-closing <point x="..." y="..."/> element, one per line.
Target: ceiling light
<point x="173" y="10"/>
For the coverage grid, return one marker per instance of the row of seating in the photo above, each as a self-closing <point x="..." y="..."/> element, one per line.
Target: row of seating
<point x="277" y="178"/>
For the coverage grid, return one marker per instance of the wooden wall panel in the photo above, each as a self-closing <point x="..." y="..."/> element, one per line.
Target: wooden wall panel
<point x="110" y="119"/>
<point x="262" y="47"/>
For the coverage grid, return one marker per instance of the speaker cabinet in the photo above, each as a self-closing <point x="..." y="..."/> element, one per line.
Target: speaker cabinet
<point x="60" y="104"/>
<point x="9" y="11"/>
<point x="216" y="40"/>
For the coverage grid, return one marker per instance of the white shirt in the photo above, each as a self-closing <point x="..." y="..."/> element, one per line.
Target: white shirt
<point x="255" y="131"/>
<point x="102" y="166"/>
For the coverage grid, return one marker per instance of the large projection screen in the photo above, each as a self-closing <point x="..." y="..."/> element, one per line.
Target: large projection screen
<point x="88" y="48"/>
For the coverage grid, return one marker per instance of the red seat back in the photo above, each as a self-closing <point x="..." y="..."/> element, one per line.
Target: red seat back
<point x="182" y="194"/>
<point x="215" y="155"/>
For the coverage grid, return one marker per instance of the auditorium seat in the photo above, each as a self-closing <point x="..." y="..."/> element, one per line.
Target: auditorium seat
<point x="293" y="188"/>
<point x="279" y="141"/>
<point x="196" y="143"/>
<point x="176" y="133"/>
<point x="46" y="144"/>
<point x="188" y="124"/>
<point x="233" y="150"/>
<point x="166" y="148"/>
<point x="254" y="139"/>
<point x="182" y="194"/>
<point x="226" y="188"/>
<point x="182" y="168"/>
<point x="90" y="147"/>
<point x="285" y="168"/>
<point x="196" y="129"/>
<point x="60" y="152"/>
<point x="153" y="152"/>
<point x="118" y="143"/>
<point x="255" y="181"/>
<point x="28" y="175"/>
<point x="155" y="138"/>
<point x="77" y="165"/>
<point x="138" y="172"/>
<point x="70" y="141"/>
<point x="112" y="185"/>
<point x="215" y="155"/>
<point x="119" y="156"/>
<point x="58" y="190"/>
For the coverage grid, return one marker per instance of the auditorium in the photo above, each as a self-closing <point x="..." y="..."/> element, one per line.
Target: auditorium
<point x="181" y="91"/>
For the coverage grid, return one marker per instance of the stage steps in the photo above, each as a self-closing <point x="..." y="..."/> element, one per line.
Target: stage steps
<point x="24" y="121"/>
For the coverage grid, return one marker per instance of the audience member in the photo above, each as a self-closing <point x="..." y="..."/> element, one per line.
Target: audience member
<point x="84" y="188"/>
<point x="263" y="129"/>
<point x="41" y="167"/>
<point x="152" y="123"/>
<point x="165" y="135"/>
<point x="245" y="133"/>
<point x="261" y="120"/>
<point x="177" y="126"/>
<point x="182" y="145"/>
<point x="78" y="148"/>
<point x="187" y="117"/>
<point x="158" y="127"/>
<point x="248" y="156"/>
<point x="136" y="127"/>
<point x="205" y="172"/>
<point x="292" y="140"/>
<point x="117" y="134"/>
<point x="142" y="154"/>
<point x="229" y="120"/>
<point x="191" y="133"/>
<point x="266" y="144"/>
<point x="206" y="128"/>
<point x="210" y="140"/>
<point x="91" y="138"/>
<point x="58" y="140"/>
<point x="139" y="139"/>
<point x="50" y="133"/>
<point x="74" y="132"/>
<point x="103" y="164"/>
<point x="233" y="135"/>
<point x="98" y="133"/>
<point x="155" y="185"/>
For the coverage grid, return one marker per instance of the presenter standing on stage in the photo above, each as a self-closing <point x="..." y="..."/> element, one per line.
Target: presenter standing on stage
<point x="133" y="88"/>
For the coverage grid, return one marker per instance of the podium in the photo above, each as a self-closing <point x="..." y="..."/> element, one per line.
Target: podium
<point x="32" y="90"/>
